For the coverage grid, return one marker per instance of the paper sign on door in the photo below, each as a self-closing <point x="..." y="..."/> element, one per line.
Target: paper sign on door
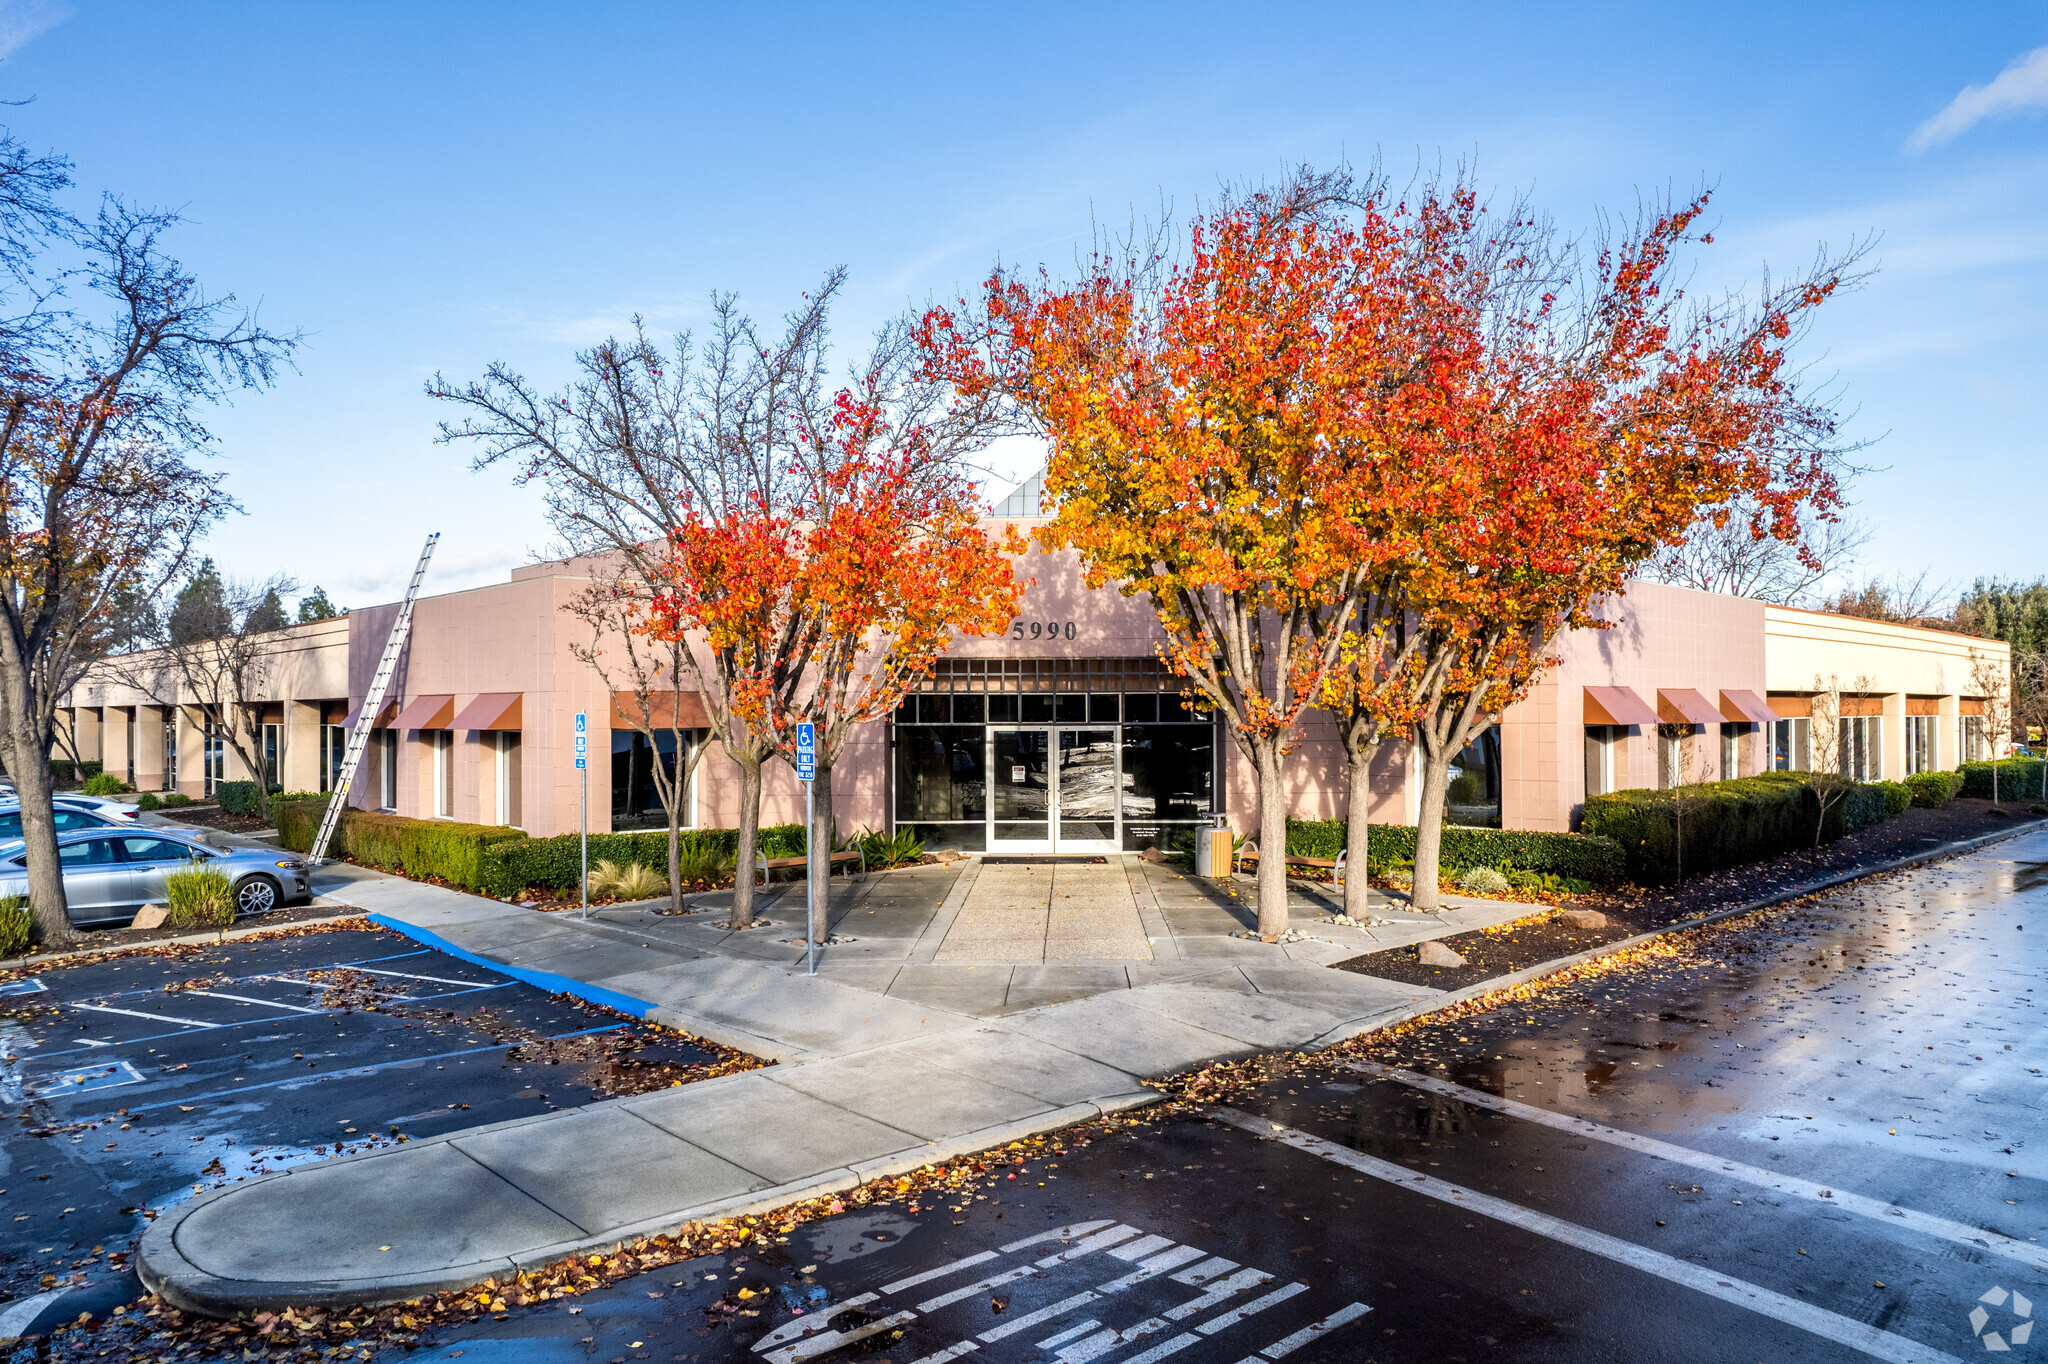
<point x="1016" y="776"/>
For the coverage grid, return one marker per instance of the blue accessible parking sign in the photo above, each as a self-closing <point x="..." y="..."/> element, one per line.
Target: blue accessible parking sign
<point x="806" y="751"/>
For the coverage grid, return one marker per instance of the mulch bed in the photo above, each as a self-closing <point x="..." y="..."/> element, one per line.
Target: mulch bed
<point x="1631" y="910"/>
<point x="213" y="817"/>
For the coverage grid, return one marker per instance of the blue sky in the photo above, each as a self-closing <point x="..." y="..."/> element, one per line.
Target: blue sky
<point x="431" y="187"/>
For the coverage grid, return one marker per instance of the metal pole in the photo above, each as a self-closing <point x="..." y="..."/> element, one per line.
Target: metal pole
<point x="583" y="799"/>
<point x="811" y="878"/>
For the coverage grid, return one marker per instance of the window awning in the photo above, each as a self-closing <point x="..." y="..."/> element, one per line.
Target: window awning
<point x="1617" y="706"/>
<point x="383" y="720"/>
<point x="663" y="710"/>
<point x="1747" y="705"/>
<point x="426" y="712"/>
<point x="492" y="710"/>
<point x="1683" y="705"/>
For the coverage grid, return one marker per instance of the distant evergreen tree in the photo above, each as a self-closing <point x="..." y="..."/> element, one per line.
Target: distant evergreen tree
<point x="200" y="610"/>
<point x="2013" y="611"/>
<point x="268" y="614"/>
<point x="318" y="607"/>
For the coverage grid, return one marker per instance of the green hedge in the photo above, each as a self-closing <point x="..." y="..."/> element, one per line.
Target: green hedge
<point x="239" y="797"/>
<point x="554" y="863"/>
<point x="1731" y="823"/>
<point x="1932" y="790"/>
<point x="493" y="859"/>
<point x="2017" y="777"/>
<point x="1594" y="859"/>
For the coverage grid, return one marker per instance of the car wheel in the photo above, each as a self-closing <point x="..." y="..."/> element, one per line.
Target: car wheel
<point x="258" y="895"/>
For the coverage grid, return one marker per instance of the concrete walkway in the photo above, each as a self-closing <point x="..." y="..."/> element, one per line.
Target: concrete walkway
<point x="968" y="1006"/>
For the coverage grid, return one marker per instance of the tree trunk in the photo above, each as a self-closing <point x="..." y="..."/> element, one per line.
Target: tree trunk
<point x="749" y="842"/>
<point x="30" y="764"/>
<point x="1266" y="761"/>
<point x="818" y="855"/>
<point x="675" y="850"/>
<point x="1429" y="831"/>
<point x="1357" y="836"/>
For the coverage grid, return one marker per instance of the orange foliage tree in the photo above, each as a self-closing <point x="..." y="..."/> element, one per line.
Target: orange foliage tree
<point x="844" y="604"/>
<point x="1190" y="407"/>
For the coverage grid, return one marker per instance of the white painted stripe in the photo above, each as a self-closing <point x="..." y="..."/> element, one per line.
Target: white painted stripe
<point x="1941" y="1227"/>
<point x="829" y="1341"/>
<point x="809" y="1325"/>
<point x="1066" y="1233"/>
<point x="992" y="1281"/>
<point x="1229" y="1288"/>
<point x="18" y="1315"/>
<point x="950" y="1352"/>
<point x="1205" y="1271"/>
<point x="1164" y="1348"/>
<point x="1103" y="1342"/>
<point x="1043" y="1314"/>
<point x="941" y="1272"/>
<point x="1151" y="1268"/>
<point x="1063" y="1337"/>
<point x="1139" y="1249"/>
<point x="137" y="1013"/>
<point x="1289" y="1344"/>
<point x="404" y="975"/>
<point x="247" y="999"/>
<point x="1253" y="1308"/>
<point x="1101" y="1240"/>
<point x="1725" y="1287"/>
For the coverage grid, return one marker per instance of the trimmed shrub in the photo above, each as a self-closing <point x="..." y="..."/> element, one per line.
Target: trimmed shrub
<point x="199" y="897"/>
<point x="298" y="821"/>
<point x="1932" y="790"/>
<point x="149" y="800"/>
<point x="239" y="797"/>
<point x="105" y="784"/>
<point x="2017" y="778"/>
<point x="176" y="799"/>
<point x="63" y="771"/>
<point x="1897" y="796"/>
<point x="17" y="925"/>
<point x="518" y="864"/>
<point x="422" y="848"/>
<point x="1483" y="881"/>
<point x="1728" y="823"/>
<point x="1594" y="860"/>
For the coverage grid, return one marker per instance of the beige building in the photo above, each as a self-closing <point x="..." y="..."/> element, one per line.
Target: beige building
<point x="1065" y="735"/>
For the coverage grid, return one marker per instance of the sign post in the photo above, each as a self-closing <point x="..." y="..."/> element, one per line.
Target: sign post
<point x="806" y="772"/>
<point x="583" y="801"/>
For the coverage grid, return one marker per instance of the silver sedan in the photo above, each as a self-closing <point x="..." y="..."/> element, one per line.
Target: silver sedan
<point x="111" y="873"/>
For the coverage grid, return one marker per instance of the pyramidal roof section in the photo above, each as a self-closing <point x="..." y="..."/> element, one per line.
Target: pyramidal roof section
<point x="1026" y="499"/>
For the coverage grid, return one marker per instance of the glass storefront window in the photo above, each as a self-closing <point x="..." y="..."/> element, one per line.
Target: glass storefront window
<point x="939" y="774"/>
<point x="636" y="800"/>
<point x="1474" y="794"/>
<point x="1169" y="777"/>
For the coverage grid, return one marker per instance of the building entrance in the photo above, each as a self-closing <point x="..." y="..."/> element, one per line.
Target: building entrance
<point x="1053" y="790"/>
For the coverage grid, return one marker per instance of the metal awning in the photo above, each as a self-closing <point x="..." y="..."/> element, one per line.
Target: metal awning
<point x="426" y="712"/>
<point x="1747" y="705"/>
<point x="1683" y="705"/>
<point x="663" y="710"/>
<point x="492" y="710"/>
<point x="383" y="720"/>
<point x="1617" y="706"/>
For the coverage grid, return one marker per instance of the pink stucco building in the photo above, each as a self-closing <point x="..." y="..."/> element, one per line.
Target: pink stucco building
<point x="1065" y="735"/>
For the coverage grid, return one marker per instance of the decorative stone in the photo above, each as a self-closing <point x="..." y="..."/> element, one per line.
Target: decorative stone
<point x="1584" y="918"/>
<point x="1436" y="954"/>
<point x="151" y="916"/>
<point x="1151" y="855"/>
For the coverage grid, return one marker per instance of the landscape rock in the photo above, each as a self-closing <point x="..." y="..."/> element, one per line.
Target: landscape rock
<point x="1584" y="918"/>
<point x="151" y="916"/>
<point x="1436" y="954"/>
<point x="1151" y="855"/>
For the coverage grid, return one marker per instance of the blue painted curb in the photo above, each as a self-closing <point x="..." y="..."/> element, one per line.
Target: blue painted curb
<point x="546" y="980"/>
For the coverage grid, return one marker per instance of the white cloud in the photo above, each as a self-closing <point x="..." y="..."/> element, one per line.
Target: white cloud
<point x="23" y="21"/>
<point x="2022" y="85"/>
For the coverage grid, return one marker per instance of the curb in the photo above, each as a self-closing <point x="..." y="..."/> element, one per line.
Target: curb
<point x="227" y="935"/>
<point x="545" y="980"/>
<point x="164" y="1269"/>
<point x="1479" y="989"/>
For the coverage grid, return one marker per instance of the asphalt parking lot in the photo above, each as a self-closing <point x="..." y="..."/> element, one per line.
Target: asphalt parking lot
<point x="131" y="1083"/>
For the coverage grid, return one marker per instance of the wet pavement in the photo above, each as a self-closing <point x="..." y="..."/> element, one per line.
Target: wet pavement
<point x="131" y="1083"/>
<point x="1815" y="1135"/>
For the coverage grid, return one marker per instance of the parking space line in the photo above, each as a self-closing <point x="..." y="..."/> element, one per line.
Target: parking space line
<point x="247" y="999"/>
<point x="941" y="1272"/>
<point x="1286" y="1345"/>
<point x="1925" y="1223"/>
<point x="137" y="1013"/>
<point x="361" y="1070"/>
<point x="1726" y="1288"/>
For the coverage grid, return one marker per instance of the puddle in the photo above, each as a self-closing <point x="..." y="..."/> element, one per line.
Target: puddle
<point x="849" y="1238"/>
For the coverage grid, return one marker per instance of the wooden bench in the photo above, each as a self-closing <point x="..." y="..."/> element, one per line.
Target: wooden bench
<point x="768" y="865"/>
<point x="1335" y="867"/>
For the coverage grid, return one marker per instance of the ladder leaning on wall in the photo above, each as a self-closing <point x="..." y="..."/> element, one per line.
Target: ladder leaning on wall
<point x="366" y="717"/>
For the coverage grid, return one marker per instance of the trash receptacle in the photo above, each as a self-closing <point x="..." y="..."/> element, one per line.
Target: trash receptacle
<point x="1213" y="849"/>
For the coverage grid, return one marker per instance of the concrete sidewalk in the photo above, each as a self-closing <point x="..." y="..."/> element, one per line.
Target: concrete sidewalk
<point x="968" y="1006"/>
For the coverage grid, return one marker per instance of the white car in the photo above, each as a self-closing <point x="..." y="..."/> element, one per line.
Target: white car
<point x="99" y="805"/>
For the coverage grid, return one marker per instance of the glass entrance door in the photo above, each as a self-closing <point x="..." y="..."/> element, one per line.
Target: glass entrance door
<point x="1053" y="790"/>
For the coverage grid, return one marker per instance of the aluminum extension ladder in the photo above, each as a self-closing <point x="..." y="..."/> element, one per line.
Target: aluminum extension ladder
<point x="359" y="736"/>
